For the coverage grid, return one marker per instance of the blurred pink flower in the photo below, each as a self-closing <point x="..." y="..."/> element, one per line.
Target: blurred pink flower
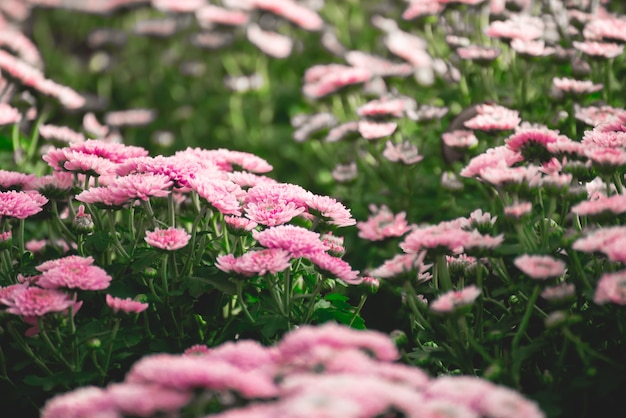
<point x="519" y="26"/>
<point x="141" y="186"/>
<point x="611" y="288"/>
<point x="370" y="129"/>
<point x="377" y="65"/>
<point x="169" y="239"/>
<point x="125" y="305"/>
<point x="493" y="157"/>
<point x="273" y="44"/>
<point x="322" y="80"/>
<point x="13" y="180"/>
<point x="209" y="14"/>
<point x="8" y="114"/>
<point x="559" y="292"/>
<point x="145" y="400"/>
<point x="460" y="139"/>
<point x="73" y="272"/>
<point x="227" y="160"/>
<point x="540" y="267"/>
<point x="130" y="117"/>
<point x="418" y="8"/>
<point x="345" y="172"/>
<point x="481" y="54"/>
<point x="31" y="301"/>
<point x="573" y="86"/>
<point x="61" y="134"/>
<point x="335" y="267"/>
<point x="491" y="117"/>
<point x="293" y="11"/>
<point x="254" y="263"/>
<point x="341" y="131"/>
<point x="382" y="224"/>
<point x="400" y="264"/>
<point x="300" y="242"/>
<point x="599" y="49"/>
<point x="404" y="152"/>
<point x="64" y="159"/>
<point x="21" y="205"/>
<point x="454" y="299"/>
<point x="272" y="212"/>
<point x="528" y="136"/>
<point x="82" y="402"/>
<point x="614" y="204"/>
<point x="382" y="107"/>
<point x="610" y="241"/>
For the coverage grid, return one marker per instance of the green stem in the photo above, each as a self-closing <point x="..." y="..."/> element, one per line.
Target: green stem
<point x="521" y="331"/>
<point x="116" y="327"/>
<point x="357" y="311"/>
<point x="242" y="302"/>
<point x="53" y="349"/>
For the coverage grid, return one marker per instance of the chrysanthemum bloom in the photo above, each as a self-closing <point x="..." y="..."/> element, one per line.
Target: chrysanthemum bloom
<point x="300" y="242"/>
<point x="88" y="401"/>
<point x="520" y="26"/>
<point x="209" y="15"/>
<point x="333" y="243"/>
<point x="460" y="139"/>
<point x="345" y="172"/>
<point x="479" y="54"/>
<point x="400" y="264"/>
<point x="73" y="272"/>
<point x="382" y="224"/>
<point x="531" y="49"/>
<point x="21" y="205"/>
<point x="377" y="65"/>
<point x="455" y="299"/>
<point x="382" y="107"/>
<point x="608" y="27"/>
<point x="125" y="305"/>
<point x="102" y="196"/>
<point x="247" y="180"/>
<point x="61" y="134"/>
<point x="335" y="267"/>
<point x="130" y="117"/>
<point x="272" y="212"/>
<point x="9" y="115"/>
<point x="32" y="301"/>
<point x="227" y="160"/>
<point x="575" y="87"/>
<point x="253" y="263"/>
<point x="611" y="288"/>
<point x="605" y="159"/>
<point x="409" y="47"/>
<point x="300" y="342"/>
<point x="141" y="186"/>
<point x="532" y="142"/>
<point x="417" y="8"/>
<point x="222" y="195"/>
<point x="307" y="125"/>
<point x="195" y="372"/>
<point x="341" y="131"/>
<point x="493" y="157"/>
<point x="55" y="186"/>
<point x="610" y="139"/>
<point x="6" y="240"/>
<point x="599" y="49"/>
<point x="329" y="210"/>
<point x="370" y="129"/>
<point x="273" y="44"/>
<point x="13" y="180"/>
<point x="239" y="225"/>
<point x="92" y="126"/>
<point x="615" y="204"/>
<point x="610" y="240"/>
<point x="64" y="159"/>
<point x="169" y="239"/>
<point x="404" y="152"/>
<point x="179" y="169"/>
<point x="492" y="117"/>
<point x="560" y="292"/>
<point x="540" y="267"/>
<point x="333" y="79"/>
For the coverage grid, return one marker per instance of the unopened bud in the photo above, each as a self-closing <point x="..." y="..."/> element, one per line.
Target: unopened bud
<point x="82" y="223"/>
<point x="370" y="284"/>
<point x="399" y="337"/>
<point x="6" y="240"/>
<point x="94" y="343"/>
<point x="150" y="272"/>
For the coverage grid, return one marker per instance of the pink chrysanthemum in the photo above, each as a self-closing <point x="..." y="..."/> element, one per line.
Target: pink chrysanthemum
<point x="382" y="224"/>
<point x="169" y="239"/>
<point x="528" y="136"/>
<point x="540" y="267"/>
<point x="610" y="241"/>
<point x="146" y="400"/>
<point x="615" y="204"/>
<point x="54" y="186"/>
<point x="273" y="44"/>
<point x="88" y="401"/>
<point x="520" y="26"/>
<point x="13" y="180"/>
<point x="596" y="115"/>
<point x="404" y="152"/>
<point x="335" y="267"/>
<point x="400" y="264"/>
<point x="300" y="242"/>
<point x="493" y="118"/>
<point x="61" y="134"/>
<point x="460" y="139"/>
<point x="611" y="288"/>
<point x="21" y="205"/>
<point x="222" y="195"/>
<point x="493" y="157"/>
<point x="31" y="301"/>
<point x="377" y="65"/>
<point x="573" y="86"/>
<point x="517" y="210"/>
<point x="370" y="129"/>
<point x="226" y="159"/>
<point x="73" y="272"/>
<point x="453" y="300"/>
<point x="9" y="115"/>
<point x="103" y="196"/>
<point x="481" y="54"/>
<point x="141" y="186"/>
<point x="329" y="210"/>
<point x="295" y="12"/>
<point x="125" y="305"/>
<point x="239" y="225"/>
<point x="64" y="159"/>
<point x="560" y="292"/>
<point x="272" y="212"/>
<point x="253" y="263"/>
<point x="332" y="79"/>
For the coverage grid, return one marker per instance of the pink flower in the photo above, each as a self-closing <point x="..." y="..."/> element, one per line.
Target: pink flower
<point x="517" y="210"/>
<point x="341" y="131"/>
<point x="73" y="272"/>
<point x="21" y="205"/>
<point x="146" y="400"/>
<point x="208" y="15"/>
<point x="404" y="152"/>
<point x="179" y="169"/>
<point x="141" y="186"/>
<point x="345" y="172"/>
<point x="377" y="65"/>
<point x="460" y="139"/>
<point x="29" y="301"/>
<point x="382" y="107"/>
<point x="300" y="242"/>
<point x="611" y="288"/>
<point x="607" y="27"/>
<point x="540" y="267"/>
<point x="531" y="136"/>
<point x="302" y="341"/>
<point x="481" y="54"/>
<point x="520" y="26"/>
<point x="297" y="13"/>
<point x="596" y="115"/>
<point x="254" y="263"/>
<point x="382" y="224"/>
<point x="599" y="49"/>
<point x="335" y="267"/>
<point x="332" y="79"/>
<point x="334" y="244"/>
<point x="455" y="299"/>
<point x="400" y="264"/>
<point x="169" y="239"/>
<point x="78" y="162"/>
<point x="88" y="401"/>
<point x="220" y="194"/>
<point x="417" y="8"/>
<point x="615" y="204"/>
<point x="125" y="305"/>
<point x="610" y="241"/>
<point x="13" y="180"/>
<point x="493" y="157"/>
<point x="61" y="133"/>
<point x="573" y="86"/>
<point x="130" y="117"/>
<point x="409" y="47"/>
<point x="493" y="118"/>
<point x="272" y="212"/>
<point x="239" y="225"/>
<point x="606" y="158"/>
<point x="504" y="402"/>
<point x="531" y="48"/>
<point x="370" y="129"/>
<point x="9" y="115"/>
<point x="54" y="186"/>
<point x="329" y="210"/>
<point x="103" y="196"/>
<point x="271" y="43"/>
<point x="560" y="292"/>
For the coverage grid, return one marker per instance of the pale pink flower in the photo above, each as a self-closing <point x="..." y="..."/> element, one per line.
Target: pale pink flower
<point x="271" y="43"/>
<point x="287" y="192"/>
<point x="146" y="400"/>
<point x="295" y="12"/>
<point x="615" y="204"/>
<point x="493" y="157"/>
<point x="211" y="40"/>
<point x="370" y="129"/>
<point x="345" y="172"/>
<point x="239" y="225"/>
<point x="611" y="288"/>
<point x="308" y="125"/>
<point x="141" y="186"/>
<point x="493" y="118"/>
<point x="333" y="243"/>
<point x="382" y="224"/>
<point x="178" y="6"/>
<point x="300" y="342"/>
<point x="604" y="139"/>
<point x="605" y="158"/>
<point x="252" y="263"/>
<point x="92" y="126"/>
<point x="300" y="242"/>
<point x="517" y="210"/>
<point x="8" y="114"/>
<point x="427" y="113"/>
<point x="609" y="27"/>
<point x="335" y="267"/>
<point x="404" y="152"/>
<point x="272" y="212"/>
<point x="504" y="402"/>
<point x="13" y="180"/>
<point x="102" y="196"/>
<point x="225" y="159"/>
<point x="169" y="239"/>
<point x="189" y="372"/>
<point x="341" y="131"/>
<point x="88" y="401"/>
<point x="599" y="49"/>
<point x="540" y="267"/>
<point x="529" y="136"/>
<point x="575" y="87"/>
<point x="64" y="159"/>
<point x="329" y="210"/>
<point x="112" y="151"/>
<point x="220" y="194"/>
<point x="209" y="14"/>
<point x="409" y="47"/>
<point x="246" y="179"/>
<point x="454" y="299"/>
<point x="560" y="292"/>
<point x="125" y="305"/>
<point x="531" y="48"/>
<point x="32" y="301"/>
<point x="331" y="79"/>
<point x="400" y="264"/>
<point x="61" y="133"/>
<point x="377" y="65"/>
<point x="519" y="26"/>
<point x="21" y="205"/>
<point x="384" y="106"/>
<point x="179" y="169"/>
<point x="460" y="139"/>
<point x="73" y="273"/>
<point x="480" y="54"/>
<point x="130" y="117"/>
<point x="417" y="8"/>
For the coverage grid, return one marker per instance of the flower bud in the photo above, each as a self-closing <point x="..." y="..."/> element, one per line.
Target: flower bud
<point x="370" y="284"/>
<point x="82" y="223"/>
<point x="399" y="337"/>
<point x="150" y="272"/>
<point x="6" y="240"/>
<point x="94" y="343"/>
